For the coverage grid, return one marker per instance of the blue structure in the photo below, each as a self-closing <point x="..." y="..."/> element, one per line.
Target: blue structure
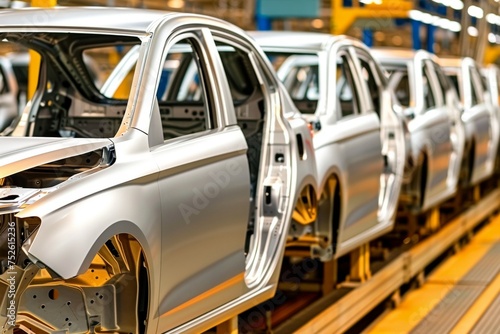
<point x="270" y="9"/>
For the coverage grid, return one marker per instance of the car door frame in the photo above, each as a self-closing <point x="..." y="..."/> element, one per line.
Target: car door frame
<point x="354" y="226"/>
<point x="395" y="148"/>
<point x="225" y="251"/>
<point x="483" y="117"/>
<point x="436" y="133"/>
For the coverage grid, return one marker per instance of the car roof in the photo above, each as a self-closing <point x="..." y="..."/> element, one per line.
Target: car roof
<point x="382" y="53"/>
<point x="400" y="57"/>
<point x="450" y="62"/>
<point x="136" y="20"/>
<point x="293" y="40"/>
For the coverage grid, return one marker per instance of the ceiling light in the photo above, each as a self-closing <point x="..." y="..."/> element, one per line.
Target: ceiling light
<point x="475" y="11"/>
<point x="472" y="31"/>
<point x="457" y="4"/>
<point x="175" y="4"/>
<point x="492" y="38"/>
<point x="415" y="15"/>
<point x="317" y="23"/>
<point x="454" y="26"/>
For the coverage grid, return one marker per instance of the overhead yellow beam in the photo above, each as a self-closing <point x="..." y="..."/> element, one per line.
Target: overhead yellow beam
<point x="491" y="54"/>
<point x="344" y="17"/>
<point x="34" y="66"/>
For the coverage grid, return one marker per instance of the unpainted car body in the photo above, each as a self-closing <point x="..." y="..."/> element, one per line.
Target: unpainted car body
<point x="359" y="141"/>
<point x="491" y="75"/>
<point x="430" y="105"/>
<point x="146" y="214"/>
<point x="482" y="125"/>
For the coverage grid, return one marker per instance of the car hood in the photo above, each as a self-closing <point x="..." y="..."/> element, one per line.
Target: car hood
<point x="21" y="153"/>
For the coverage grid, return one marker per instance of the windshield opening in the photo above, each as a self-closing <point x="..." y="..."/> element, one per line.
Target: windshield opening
<point x="300" y="76"/>
<point x="75" y="96"/>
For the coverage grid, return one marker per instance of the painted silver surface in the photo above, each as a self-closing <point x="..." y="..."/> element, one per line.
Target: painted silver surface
<point x="198" y="272"/>
<point x="491" y="75"/>
<point x="349" y="149"/>
<point x="479" y="117"/>
<point x="437" y="134"/>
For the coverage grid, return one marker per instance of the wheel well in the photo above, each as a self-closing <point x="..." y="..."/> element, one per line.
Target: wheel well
<point x="471" y="156"/>
<point x="330" y="209"/>
<point x="127" y="246"/>
<point x="306" y="207"/>
<point x="117" y="275"/>
<point x="337" y="208"/>
<point x="143" y="283"/>
<point x="467" y="165"/>
<point x="423" y="178"/>
<point x="144" y="295"/>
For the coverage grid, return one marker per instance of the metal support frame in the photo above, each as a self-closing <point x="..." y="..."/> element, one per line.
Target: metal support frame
<point x="330" y="271"/>
<point x="431" y="30"/>
<point x="229" y="326"/>
<point x="368" y="37"/>
<point x="476" y="193"/>
<point x="433" y="221"/>
<point x="343" y="17"/>
<point x="482" y="36"/>
<point x="341" y="315"/>
<point x="360" y="264"/>
<point x="415" y="32"/>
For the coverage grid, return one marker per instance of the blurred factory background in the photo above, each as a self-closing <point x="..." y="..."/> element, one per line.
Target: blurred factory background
<point x="444" y="27"/>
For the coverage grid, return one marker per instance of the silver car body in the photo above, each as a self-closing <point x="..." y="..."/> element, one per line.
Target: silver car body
<point x="491" y="75"/>
<point x="178" y="207"/>
<point x="362" y="151"/>
<point x="437" y="136"/>
<point x="479" y="117"/>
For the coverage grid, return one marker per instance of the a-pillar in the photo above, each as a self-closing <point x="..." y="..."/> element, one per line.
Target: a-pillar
<point x="34" y="66"/>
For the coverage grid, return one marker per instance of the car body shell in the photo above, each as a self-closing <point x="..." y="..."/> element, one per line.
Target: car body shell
<point x="479" y="117"/>
<point x="491" y="74"/>
<point x="437" y="134"/>
<point x="142" y="181"/>
<point x="349" y="149"/>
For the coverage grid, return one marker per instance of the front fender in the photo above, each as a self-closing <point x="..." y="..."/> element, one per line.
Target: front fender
<point x="68" y="239"/>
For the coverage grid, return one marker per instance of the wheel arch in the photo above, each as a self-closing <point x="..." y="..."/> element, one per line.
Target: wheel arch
<point x="471" y="156"/>
<point x="308" y="186"/>
<point x="334" y="171"/>
<point x="424" y="178"/>
<point x="138" y="269"/>
<point x="79" y="252"/>
<point x="332" y="217"/>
